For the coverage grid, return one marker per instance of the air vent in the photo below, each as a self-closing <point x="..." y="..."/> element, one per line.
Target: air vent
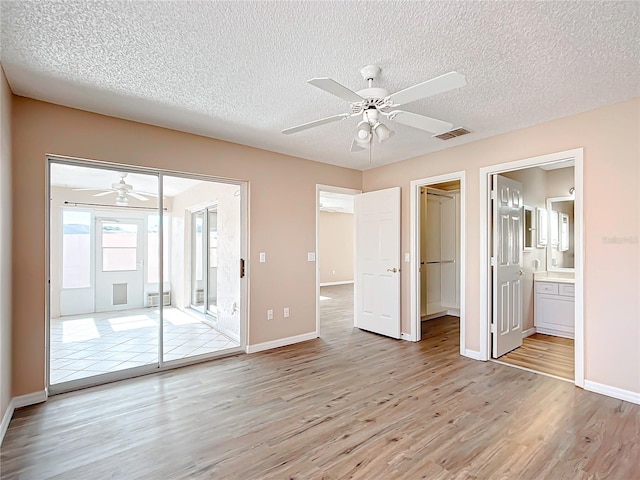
<point x="452" y="134"/>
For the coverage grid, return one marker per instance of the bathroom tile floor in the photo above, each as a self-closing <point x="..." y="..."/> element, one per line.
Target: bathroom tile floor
<point x="93" y="344"/>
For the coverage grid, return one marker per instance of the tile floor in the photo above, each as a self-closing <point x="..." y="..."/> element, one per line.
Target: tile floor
<point x="92" y="344"/>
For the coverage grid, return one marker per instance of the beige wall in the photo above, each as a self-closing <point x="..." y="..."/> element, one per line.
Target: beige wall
<point x="336" y="247"/>
<point x="282" y="206"/>
<point x="610" y="137"/>
<point x="282" y="219"/>
<point x="5" y="244"/>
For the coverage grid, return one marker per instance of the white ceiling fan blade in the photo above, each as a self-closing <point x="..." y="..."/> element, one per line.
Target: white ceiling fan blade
<point x="421" y="122"/>
<point x="440" y="84"/>
<point x="103" y="193"/>
<point x="88" y="189"/>
<point x="139" y="197"/>
<point x="334" y="88"/>
<point x="315" y="123"/>
<point x="356" y="147"/>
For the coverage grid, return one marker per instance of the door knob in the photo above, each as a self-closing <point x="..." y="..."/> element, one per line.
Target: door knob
<point x="392" y="270"/>
<point x="521" y="272"/>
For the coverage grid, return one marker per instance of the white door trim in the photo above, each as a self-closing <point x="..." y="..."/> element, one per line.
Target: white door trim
<point x="332" y="189"/>
<point x="485" y="315"/>
<point x="414" y="256"/>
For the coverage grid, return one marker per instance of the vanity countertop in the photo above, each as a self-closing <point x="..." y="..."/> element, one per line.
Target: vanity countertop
<point x="555" y="277"/>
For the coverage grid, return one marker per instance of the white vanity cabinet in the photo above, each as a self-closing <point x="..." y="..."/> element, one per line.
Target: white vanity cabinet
<point x="554" y="308"/>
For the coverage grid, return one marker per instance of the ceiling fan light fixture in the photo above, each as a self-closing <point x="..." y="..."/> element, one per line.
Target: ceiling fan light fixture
<point x="364" y="131"/>
<point x="122" y="201"/>
<point x="382" y="132"/>
<point x="362" y="142"/>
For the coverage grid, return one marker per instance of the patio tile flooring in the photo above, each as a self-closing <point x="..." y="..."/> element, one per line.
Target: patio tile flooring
<point x="93" y="344"/>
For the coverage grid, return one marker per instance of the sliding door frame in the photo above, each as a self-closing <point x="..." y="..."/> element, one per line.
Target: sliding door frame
<point x="161" y="365"/>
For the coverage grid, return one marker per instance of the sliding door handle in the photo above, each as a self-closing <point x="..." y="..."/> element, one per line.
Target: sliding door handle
<point x="242" y="268"/>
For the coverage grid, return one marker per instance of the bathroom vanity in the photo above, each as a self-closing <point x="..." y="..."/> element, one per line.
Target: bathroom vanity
<point x="554" y="306"/>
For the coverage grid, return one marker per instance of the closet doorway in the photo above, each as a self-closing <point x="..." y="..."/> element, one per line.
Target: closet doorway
<point x="437" y="255"/>
<point x="439" y="250"/>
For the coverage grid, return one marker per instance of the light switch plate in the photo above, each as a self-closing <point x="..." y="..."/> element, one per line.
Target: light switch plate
<point x="407" y="257"/>
<point x="263" y="257"/>
<point x="311" y="257"/>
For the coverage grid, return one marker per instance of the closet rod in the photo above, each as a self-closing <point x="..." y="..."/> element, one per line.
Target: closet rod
<point x="433" y="263"/>
<point x="438" y="195"/>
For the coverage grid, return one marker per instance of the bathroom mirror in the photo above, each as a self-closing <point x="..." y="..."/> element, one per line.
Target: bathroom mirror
<point x="560" y="246"/>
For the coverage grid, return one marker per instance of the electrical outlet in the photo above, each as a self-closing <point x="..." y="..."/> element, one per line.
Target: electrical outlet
<point x="286" y="312"/>
<point x="269" y="314"/>
<point x="311" y="257"/>
<point x="333" y="272"/>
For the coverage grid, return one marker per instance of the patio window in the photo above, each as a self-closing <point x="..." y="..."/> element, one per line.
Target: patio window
<point x="119" y="243"/>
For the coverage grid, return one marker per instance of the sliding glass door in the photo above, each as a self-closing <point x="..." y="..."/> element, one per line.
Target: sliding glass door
<point x="98" y="322"/>
<point x="137" y="277"/>
<point x="207" y="318"/>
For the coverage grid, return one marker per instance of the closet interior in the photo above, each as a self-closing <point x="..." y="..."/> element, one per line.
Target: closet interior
<point x="440" y="250"/>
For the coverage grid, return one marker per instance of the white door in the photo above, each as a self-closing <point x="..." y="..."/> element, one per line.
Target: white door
<point x="377" y="269"/>
<point x="507" y="265"/>
<point x="119" y="264"/>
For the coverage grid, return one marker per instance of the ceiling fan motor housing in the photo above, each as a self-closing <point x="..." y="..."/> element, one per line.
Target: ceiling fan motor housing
<point x="370" y="72"/>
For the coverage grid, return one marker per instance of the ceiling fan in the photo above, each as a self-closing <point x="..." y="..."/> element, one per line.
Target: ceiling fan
<point x="372" y="103"/>
<point x="122" y="189"/>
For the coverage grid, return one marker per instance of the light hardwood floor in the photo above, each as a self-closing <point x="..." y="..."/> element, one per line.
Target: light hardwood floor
<point x="350" y="404"/>
<point x="544" y="353"/>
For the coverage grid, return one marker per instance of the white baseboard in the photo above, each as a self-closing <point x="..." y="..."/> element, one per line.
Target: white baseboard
<point x="614" y="392"/>
<point x="282" y="342"/>
<point x="30" y="399"/>
<point x="528" y="332"/>
<point x="6" y="418"/>
<point x="328" y="284"/>
<point x="472" y="354"/>
<point x="553" y="332"/>
<point x="408" y="337"/>
<point x="18" y="402"/>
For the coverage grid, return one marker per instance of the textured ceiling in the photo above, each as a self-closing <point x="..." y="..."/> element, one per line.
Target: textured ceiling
<point x="238" y="70"/>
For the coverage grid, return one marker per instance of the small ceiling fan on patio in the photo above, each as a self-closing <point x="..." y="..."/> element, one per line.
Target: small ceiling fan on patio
<point x="373" y="104"/>
<point x="122" y="190"/>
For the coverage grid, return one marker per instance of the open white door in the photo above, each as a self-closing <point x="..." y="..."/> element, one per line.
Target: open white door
<point x="377" y="269"/>
<point x="506" y="260"/>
